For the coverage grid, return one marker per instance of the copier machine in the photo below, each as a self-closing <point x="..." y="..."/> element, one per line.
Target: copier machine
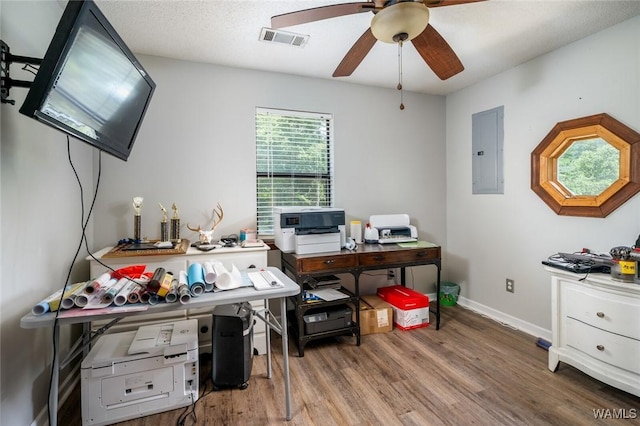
<point x="307" y="230"/>
<point x="137" y="373"/>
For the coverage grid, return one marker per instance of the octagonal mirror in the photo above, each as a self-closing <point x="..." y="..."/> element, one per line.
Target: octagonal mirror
<point x="587" y="166"/>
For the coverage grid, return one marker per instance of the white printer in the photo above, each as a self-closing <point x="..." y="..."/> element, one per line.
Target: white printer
<point x="390" y="228"/>
<point x="307" y="230"/>
<point x="137" y="373"/>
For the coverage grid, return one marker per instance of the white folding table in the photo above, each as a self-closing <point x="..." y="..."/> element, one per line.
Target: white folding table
<point x="242" y="294"/>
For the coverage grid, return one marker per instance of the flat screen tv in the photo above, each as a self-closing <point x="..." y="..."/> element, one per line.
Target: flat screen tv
<point x="89" y="84"/>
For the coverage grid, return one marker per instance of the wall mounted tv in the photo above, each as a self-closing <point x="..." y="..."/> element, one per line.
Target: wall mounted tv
<point x="90" y="85"/>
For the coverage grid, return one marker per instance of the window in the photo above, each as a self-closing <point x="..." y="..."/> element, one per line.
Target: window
<point x="587" y="166"/>
<point x="294" y="162"/>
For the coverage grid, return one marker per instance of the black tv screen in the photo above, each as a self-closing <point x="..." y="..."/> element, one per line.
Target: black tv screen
<point x="90" y="85"/>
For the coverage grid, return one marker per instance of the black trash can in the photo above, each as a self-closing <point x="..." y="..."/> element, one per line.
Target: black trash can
<point x="232" y="345"/>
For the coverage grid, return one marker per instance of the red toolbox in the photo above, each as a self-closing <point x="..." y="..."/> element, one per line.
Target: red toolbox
<point x="410" y="308"/>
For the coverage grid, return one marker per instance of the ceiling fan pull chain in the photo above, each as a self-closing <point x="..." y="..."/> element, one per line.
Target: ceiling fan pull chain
<point x="400" y="74"/>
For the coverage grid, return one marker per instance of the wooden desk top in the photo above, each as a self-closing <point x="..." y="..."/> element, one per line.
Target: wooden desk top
<point x="365" y="256"/>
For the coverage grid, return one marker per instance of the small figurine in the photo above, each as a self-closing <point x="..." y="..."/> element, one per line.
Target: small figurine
<point x="175" y="224"/>
<point x="137" y="205"/>
<point x="137" y="219"/>
<point x="164" y="232"/>
<point x="206" y="237"/>
<point x="175" y="211"/>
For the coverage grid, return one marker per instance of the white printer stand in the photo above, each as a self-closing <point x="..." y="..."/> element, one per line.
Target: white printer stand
<point x="137" y="373"/>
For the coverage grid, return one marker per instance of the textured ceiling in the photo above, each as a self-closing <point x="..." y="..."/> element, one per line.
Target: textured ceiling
<point x="488" y="37"/>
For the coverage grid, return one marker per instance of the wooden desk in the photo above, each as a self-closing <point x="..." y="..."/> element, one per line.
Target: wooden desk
<point x="366" y="257"/>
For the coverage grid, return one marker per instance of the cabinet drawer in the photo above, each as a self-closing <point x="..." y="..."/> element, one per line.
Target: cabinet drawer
<point x="399" y="258"/>
<point x="325" y="263"/>
<point x="607" y="311"/>
<point x="613" y="349"/>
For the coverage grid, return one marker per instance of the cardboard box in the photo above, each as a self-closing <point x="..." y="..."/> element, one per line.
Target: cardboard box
<point x="410" y="308"/>
<point x="376" y="315"/>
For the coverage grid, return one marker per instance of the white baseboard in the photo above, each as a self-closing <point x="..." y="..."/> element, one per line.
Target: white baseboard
<point x="64" y="391"/>
<point x="505" y="319"/>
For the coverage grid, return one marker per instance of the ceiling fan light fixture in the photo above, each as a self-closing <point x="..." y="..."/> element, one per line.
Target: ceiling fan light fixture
<point x="404" y="17"/>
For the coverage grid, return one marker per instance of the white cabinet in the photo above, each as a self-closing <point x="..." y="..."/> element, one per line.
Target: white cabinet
<point x="242" y="258"/>
<point x="596" y="327"/>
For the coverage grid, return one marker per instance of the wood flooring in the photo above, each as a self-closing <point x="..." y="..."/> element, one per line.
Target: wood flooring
<point x="473" y="371"/>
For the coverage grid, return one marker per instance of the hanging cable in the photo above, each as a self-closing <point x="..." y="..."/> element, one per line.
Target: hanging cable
<point x="400" y="38"/>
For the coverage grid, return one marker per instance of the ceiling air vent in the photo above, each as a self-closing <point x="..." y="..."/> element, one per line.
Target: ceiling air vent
<point x="277" y="36"/>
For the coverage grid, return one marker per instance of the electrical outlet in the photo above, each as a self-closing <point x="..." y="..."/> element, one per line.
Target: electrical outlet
<point x="510" y="285"/>
<point x="391" y="274"/>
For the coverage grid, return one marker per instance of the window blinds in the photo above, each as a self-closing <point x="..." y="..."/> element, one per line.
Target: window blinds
<point x="294" y="162"/>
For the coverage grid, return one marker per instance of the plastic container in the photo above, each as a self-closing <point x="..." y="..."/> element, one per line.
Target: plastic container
<point x="449" y="293"/>
<point x="356" y="231"/>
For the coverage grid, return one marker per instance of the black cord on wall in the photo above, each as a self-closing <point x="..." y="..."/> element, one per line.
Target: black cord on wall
<point x="84" y="223"/>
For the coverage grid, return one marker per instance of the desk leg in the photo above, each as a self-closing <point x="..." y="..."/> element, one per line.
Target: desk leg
<point x="267" y="316"/>
<point x="285" y="355"/>
<point x="438" y="300"/>
<point x="356" y="276"/>
<point x="55" y="377"/>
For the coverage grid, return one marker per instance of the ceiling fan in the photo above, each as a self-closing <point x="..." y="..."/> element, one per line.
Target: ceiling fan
<point x="394" y="21"/>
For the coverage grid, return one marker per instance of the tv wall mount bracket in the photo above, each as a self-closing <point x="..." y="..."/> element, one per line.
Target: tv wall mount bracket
<point x="6" y="59"/>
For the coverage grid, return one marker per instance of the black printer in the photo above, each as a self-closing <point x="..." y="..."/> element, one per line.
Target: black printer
<point x="327" y="319"/>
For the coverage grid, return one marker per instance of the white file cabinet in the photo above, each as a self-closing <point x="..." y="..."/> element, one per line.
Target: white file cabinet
<point x="596" y="327"/>
<point x="242" y="258"/>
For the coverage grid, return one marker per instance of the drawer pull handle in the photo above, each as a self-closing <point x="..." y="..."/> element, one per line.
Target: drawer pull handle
<point x="421" y="254"/>
<point x="600" y="314"/>
<point x="600" y="348"/>
<point x="329" y="262"/>
<point x="378" y="257"/>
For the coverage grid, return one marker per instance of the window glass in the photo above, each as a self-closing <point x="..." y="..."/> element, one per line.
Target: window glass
<point x="294" y="162"/>
<point x="589" y="166"/>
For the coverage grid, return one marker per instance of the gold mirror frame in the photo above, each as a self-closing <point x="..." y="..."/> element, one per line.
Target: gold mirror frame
<point x="544" y="161"/>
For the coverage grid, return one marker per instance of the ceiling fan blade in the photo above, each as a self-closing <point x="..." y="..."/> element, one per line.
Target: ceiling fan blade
<point x="437" y="53"/>
<point x="440" y="3"/>
<point x="356" y="54"/>
<point x="319" y="13"/>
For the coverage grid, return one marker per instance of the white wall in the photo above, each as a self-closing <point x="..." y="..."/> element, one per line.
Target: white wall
<point x="41" y="223"/>
<point x="494" y="237"/>
<point x="196" y="148"/>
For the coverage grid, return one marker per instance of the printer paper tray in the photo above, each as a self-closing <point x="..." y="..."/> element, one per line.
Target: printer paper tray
<point x="397" y="240"/>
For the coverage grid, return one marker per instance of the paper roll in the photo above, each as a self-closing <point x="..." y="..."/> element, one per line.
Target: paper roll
<point x="81" y="300"/>
<point x="165" y="284"/>
<point x="52" y="303"/>
<point x="183" y="279"/>
<point x="209" y="273"/>
<point x="43" y="307"/>
<point x="183" y="292"/>
<point x="95" y="285"/>
<point x="227" y="280"/>
<point x="134" y="296"/>
<point x="144" y="296"/>
<point x="195" y="279"/>
<point x="68" y="300"/>
<point x="114" y="290"/>
<point x="123" y="296"/>
<point x="172" y="296"/>
<point x="154" y="283"/>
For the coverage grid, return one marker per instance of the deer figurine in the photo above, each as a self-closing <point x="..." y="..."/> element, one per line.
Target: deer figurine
<point x="206" y="237"/>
